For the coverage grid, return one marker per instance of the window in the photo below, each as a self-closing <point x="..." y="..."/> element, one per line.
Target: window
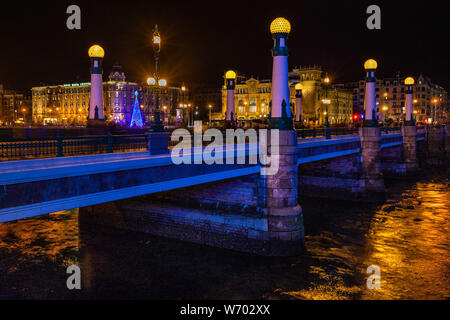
<point x="253" y="105"/>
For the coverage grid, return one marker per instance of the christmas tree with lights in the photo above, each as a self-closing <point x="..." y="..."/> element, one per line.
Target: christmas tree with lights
<point x="136" y="117"/>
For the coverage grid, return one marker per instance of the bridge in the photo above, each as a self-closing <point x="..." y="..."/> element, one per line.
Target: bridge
<point x="149" y="193"/>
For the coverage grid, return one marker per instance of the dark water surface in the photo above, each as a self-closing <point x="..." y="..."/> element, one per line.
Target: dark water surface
<point x="407" y="238"/>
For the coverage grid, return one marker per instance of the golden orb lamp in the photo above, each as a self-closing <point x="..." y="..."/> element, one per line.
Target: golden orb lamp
<point x="299" y="86"/>
<point x="151" y="81"/>
<point x="370" y="64"/>
<point x="230" y="74"/>
<point x="409" y="81"/>
<point x="280" y="25"/>
<point x="96" y="51"/>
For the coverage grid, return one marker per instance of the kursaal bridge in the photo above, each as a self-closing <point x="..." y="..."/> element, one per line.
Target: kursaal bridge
<point x="225" y="205"/>
<point x="231" y="206"/>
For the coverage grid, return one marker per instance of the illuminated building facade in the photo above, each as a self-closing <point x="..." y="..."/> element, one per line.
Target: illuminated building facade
<point x="253" y="96"/>
<point x="68" y="104"/>
<point x="390" y="99"/>
<point x="15" y="107"/>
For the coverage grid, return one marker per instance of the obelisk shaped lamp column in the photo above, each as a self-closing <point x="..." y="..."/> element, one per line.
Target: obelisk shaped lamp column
<point x="277" y="191"/>
<point x="370" y="118"/>
<point x="280" y="114"/>
<point x="230" y="79"/>
<point x="370" y="136"/>
<point x="409" y="131"/>
<point x="298" y="102"/>
<point x="409" y="119"/>
<point x="96" y="112"/>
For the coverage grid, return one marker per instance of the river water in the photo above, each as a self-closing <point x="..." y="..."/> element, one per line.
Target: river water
<point x="407" y="238"/>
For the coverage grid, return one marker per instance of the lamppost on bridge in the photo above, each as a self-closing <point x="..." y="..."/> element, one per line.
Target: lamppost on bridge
<point x="409" y="130"/>
<point x="280" y="113"/>
<point x="156" y="125"/>
<point x="370" y="119"/>
<point x="298" y="102"/>
<point x="157" y="137"/>
<point x="96" y="115"/>
<point x="230" y="78"/>
<point x="409" y="118"/>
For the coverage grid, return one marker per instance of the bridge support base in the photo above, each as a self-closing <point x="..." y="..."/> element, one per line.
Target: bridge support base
<point x="447" y="143"/>
<point x="371" y="163"/>
<point x="246" y="233"/>
<point x="409" y="134"/>
<point x="436" y="140"/>
<point x="158" y="143"/>
<point x="278" y="195"/>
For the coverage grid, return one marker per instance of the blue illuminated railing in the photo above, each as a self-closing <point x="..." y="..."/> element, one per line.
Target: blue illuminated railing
<point x="27" y="148"/>
<point x="320" y="132"/>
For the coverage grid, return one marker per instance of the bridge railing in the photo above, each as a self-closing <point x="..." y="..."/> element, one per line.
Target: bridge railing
<point x="27" y="148"/>
<point x="320" y="132"/>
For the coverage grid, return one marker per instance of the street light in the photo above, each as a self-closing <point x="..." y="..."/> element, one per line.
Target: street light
<point x="156" y="125"/>
<point x="210" y="106"/>
<point x="435" y="101"/>
<point x="326" y="101"/>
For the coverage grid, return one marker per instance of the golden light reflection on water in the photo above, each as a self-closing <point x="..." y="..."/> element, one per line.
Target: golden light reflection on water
<point x="407" y="237"/>
<point x="411" y="246"/>
<point x="47" y="235"/>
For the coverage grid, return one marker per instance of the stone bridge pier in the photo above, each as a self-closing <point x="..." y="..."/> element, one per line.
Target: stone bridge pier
<point x="374" y="188"/>
<point x="437" y="145"/>
<point x="278" y="197"/>
<point x="409" y="134"/>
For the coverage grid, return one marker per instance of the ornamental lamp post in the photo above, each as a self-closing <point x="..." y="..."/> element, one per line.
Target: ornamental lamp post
<point x="156" y="125"/>
<point x="298" y="102"/>
<point x="280" y="114"/>
<point x="157" y="138"/>
<point x="96" y="115"/>
<point x="409" y="118"/>
<point x="230" y="79"/>
<point x="369" y="95"/>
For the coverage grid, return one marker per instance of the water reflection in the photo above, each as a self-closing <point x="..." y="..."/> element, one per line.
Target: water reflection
<point x="407" y="237"/>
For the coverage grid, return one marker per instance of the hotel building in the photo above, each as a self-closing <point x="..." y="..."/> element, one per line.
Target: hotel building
<point x="67" y="104"/>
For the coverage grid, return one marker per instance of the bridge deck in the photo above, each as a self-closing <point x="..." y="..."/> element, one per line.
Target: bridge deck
<point x="40" y="186"/>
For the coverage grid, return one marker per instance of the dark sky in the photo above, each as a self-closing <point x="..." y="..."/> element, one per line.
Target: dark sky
<point x="201" y="39"/>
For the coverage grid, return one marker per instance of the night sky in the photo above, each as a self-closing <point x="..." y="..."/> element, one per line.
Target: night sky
<point x="200" y="40"/>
